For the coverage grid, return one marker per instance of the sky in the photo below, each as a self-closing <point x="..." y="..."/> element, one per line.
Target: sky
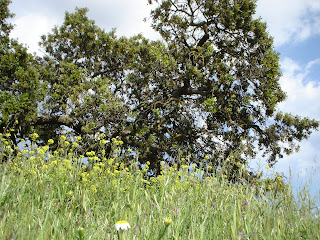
<point x="294" y="25"/>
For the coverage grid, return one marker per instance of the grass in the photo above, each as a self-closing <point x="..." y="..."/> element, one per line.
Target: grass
<point x="47" y="195"/>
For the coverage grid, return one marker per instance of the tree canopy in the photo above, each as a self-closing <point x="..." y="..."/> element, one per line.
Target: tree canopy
<point x="20" y="85"/>
<point x="208" y="90"/>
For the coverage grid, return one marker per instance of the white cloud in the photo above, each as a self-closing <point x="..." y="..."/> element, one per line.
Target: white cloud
<point x="303" y="93"/>
<point x="290" y="20"/>
<point x="126" y="16"/>
<point x="29" y="28"/>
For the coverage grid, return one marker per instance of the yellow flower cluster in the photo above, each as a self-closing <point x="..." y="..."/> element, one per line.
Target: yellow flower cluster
<point x="94" y="174"/>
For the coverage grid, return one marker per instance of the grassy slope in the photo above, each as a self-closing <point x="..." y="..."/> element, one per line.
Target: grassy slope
<point x="57" y="198"/>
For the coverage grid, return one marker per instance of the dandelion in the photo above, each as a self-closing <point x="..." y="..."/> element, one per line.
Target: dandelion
<point x="123" y="225"/>
<point x="267" y="167"/>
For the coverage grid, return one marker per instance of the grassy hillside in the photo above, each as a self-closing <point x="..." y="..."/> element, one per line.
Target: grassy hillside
<point x="52" y="195"/>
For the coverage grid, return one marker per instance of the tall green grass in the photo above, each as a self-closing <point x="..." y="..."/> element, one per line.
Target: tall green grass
<point x="46" y="195"/>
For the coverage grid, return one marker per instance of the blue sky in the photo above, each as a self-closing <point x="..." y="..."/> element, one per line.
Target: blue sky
<point x="294" y="24"/>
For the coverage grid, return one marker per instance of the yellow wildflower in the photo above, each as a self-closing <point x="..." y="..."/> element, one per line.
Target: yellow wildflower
<point x="167" y="221"/>
<point x="34" y="136"/>
<point x="63" y="138"/>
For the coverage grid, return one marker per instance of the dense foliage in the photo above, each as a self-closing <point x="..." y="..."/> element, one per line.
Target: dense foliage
<point x="207" y="92"/>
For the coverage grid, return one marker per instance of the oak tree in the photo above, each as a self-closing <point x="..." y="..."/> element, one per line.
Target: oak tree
<point x="207" y="91"/>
